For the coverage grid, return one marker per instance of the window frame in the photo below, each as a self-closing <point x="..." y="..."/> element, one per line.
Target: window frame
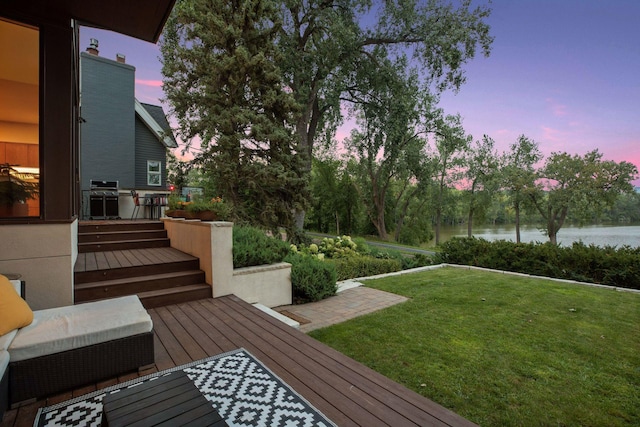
<point x="152" y="173"/>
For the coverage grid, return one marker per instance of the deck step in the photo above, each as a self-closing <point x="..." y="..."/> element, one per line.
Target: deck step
<point x="135" y="258"/>
<point x="103" y="226"/>
<point x="136" y="285"/>
<point x="135" y="271"/>
<point x="125" y="244"/>
<point x="153" y="299"/>
<point x="121" y="235"/>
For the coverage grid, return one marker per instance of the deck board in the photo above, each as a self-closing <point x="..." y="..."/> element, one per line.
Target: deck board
<point x="101" y="261"/>
<point x="347" y="392"/>
<point x="112" y="260"/>
<point x="94" y="261"/>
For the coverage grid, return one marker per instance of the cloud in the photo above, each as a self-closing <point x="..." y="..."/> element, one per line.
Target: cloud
<point x="558" y="109"/>
<point x="554" y="136"/>
<point x="152" y="83"/>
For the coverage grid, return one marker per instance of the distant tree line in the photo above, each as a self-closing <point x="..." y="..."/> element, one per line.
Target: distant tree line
<point x="263" y="85"/>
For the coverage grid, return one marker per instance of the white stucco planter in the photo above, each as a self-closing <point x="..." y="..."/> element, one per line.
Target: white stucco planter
<point x="268" y="285"/>
<point x="212" y="243"/>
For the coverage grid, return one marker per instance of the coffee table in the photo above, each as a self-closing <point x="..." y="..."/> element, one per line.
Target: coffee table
<point x="169" y="400"/>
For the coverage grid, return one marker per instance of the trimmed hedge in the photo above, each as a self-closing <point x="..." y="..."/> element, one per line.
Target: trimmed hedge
<point x="586" y="263"/>
<point x="362" y="266"/>
<point x="251" y="246"/>
<point x="311" y="278"/>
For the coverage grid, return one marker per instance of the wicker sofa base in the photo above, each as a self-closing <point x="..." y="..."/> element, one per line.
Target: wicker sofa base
<point x="4" y="393"/>
<point x="54" y="373"/>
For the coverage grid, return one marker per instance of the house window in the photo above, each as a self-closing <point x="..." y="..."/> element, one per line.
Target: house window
<point x="19" y="120"/>
<point x="153" y="173"/>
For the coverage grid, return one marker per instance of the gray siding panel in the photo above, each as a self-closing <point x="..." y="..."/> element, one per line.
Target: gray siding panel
<point x="108" y="131"/>
<point x="148" y="148"/>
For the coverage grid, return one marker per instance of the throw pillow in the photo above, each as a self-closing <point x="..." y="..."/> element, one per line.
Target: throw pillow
<point x="14" y="311"/>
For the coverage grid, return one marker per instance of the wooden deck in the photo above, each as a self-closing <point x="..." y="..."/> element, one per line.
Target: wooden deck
<point x="93" y="261"/>
<point x="347" y="392"/>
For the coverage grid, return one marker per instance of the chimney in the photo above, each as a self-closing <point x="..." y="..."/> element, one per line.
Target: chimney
<point x="93" y="47"/>
<point x="120" y="58"/>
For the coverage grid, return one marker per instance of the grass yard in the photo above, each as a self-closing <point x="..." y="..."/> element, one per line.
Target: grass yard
<point x="504" y="350"/>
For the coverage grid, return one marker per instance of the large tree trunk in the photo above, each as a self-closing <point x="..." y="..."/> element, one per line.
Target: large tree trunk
<point x="470" y="224"/>
<point x="306" y="127"/>
<point x="382" y="229"/>
<point x="379" y="221"/>
<point x="438" y="216"/>
<point x="517" y="209"/>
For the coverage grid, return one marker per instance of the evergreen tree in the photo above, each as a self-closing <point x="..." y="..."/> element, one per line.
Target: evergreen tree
<point x="221" y="78"/>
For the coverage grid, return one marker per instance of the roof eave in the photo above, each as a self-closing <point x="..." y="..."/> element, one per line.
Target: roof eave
<point x="153" y="126"/>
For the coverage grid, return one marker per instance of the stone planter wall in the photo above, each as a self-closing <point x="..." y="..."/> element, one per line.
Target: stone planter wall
<point x="212" y="243"/>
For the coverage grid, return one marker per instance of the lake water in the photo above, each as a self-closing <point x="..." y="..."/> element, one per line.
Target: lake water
<point x="600" y="235"/>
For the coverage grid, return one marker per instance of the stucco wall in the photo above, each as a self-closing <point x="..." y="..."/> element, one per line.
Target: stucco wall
<point x="268" y="285"/>
<point x="212" y="243"/>
<point x="44" y="254"/>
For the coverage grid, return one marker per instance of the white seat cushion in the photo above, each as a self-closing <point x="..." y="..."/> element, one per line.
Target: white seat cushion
<point x="5" y="340"/>
<point x="65" y="328"/>
<point x="17" y="284"/>
<point x="4" y="362"/>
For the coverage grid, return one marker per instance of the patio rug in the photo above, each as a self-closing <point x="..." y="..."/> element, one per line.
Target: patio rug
<point x="241" y="389"/>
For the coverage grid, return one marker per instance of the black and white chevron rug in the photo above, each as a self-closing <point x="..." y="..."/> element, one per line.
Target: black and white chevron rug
<point x="240" y="388"/>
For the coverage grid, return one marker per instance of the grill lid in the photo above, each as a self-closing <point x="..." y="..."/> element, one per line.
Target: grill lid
<point x="103" y="185"/>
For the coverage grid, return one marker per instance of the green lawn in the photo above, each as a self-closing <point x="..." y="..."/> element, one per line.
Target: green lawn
<point x="505" y="350"/>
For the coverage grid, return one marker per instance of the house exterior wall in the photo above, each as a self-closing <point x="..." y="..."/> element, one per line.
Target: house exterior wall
<point x="148" y="148"/>
<point x="108" y="131"/>
<point x="43" y="249"/>
<point x="44" y="254"/>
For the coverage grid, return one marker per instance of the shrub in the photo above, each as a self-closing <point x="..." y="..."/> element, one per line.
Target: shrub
<point x="251" y="246"/>
<point x="606" y="265"/>
<point x="362" y="266"/>
<point x="415" y="261"/>
<point x="298" y="237"/>
<point x="311" y="278"/>
<point x="338" y="247"/>
<point x="361" y="246"/>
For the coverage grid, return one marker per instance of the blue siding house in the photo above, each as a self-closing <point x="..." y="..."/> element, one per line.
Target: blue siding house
<point x="122" y="141"/>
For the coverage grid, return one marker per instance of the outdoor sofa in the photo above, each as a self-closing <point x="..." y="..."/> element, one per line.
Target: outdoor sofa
<point x="67" y="347"/>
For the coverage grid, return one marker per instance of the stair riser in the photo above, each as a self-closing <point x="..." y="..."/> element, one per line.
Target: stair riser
<point x="161" y="300"/>
<point x="121" y="246"/>
<point x="136" y="287"/>
<point x="131" y="272"/>
<point x="121" y="236"/>
<point x="133" y="226"/>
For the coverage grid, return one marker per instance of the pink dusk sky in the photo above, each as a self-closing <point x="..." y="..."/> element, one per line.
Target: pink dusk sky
<point x="565" y="73"/>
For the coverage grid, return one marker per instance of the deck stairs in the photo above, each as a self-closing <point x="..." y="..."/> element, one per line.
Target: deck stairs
<point x="134" y="257"/>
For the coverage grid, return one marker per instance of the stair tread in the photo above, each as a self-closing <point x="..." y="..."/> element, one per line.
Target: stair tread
<point x="124" y="241"/>
<point x="134" y="279"/>
<point x="176" y="290"/>
<point x="133" y="230"/>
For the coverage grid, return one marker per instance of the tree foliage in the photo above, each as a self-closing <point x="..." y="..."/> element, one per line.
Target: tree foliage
<point x="585" y="184"/>
<point x="519" y="174"/>
<point x="481" y="178"/>
<point x="451" y="144"/>
<point x="326" y="45"/>
<point x="393" y="117"/>
<point x="222" y="79"/>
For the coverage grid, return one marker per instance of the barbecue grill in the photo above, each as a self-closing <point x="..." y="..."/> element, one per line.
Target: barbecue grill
<point x="103" y="199"/>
